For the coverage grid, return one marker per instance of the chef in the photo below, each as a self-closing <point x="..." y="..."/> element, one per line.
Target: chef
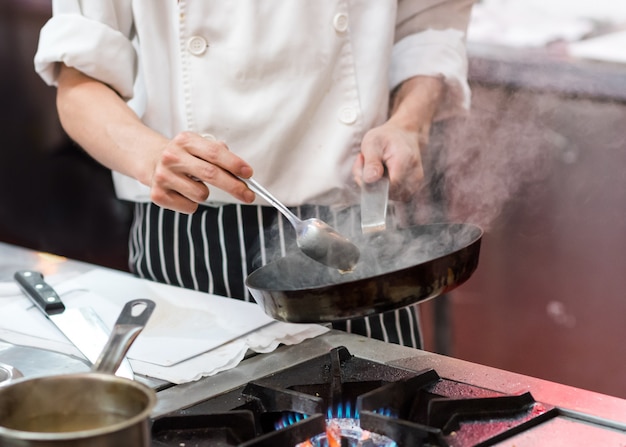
<point x="179" y="98"/>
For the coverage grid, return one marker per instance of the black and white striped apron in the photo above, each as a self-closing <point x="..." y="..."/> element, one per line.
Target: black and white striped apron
<point x="214" y="250"/>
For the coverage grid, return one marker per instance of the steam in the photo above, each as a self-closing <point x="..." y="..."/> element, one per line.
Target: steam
<point x="475" y="167"/>
<point x="381" y="253"/>
<point x="499" y="152"/>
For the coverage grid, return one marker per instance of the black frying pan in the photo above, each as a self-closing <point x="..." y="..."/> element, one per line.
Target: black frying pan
<point x="396" y="268"/>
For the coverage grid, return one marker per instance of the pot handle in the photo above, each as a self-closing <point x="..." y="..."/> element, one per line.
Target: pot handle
<point x="129" y="324"/>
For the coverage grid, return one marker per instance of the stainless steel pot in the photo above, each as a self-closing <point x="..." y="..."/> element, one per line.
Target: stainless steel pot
<point x="95" y="409"/>
<point x="7" y="372"/>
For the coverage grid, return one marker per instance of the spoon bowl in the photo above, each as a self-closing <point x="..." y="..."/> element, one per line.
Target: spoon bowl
<point x="314" y="237"/>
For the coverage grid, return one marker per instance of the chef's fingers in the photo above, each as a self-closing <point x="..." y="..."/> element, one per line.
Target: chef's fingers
<point x="357" y="169"/>
<point x="184" y="193"/>
<point x="174" y="200"/>
<point x="403" y="160"/>
<point x="369" y="166"/>
<point x="214" y="152"/>
<point x="397" y="150"/>
<point x="220" y="167"/>
<point x="189" y="166"/>
<point x="406" y="175"/>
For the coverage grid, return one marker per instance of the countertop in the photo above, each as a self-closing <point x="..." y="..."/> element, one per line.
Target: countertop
<point x="171" y="398"/>
<point x="548" y="69"/>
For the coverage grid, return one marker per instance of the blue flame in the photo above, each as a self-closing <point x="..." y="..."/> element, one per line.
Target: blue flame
<point x="388" y="412"/>
<point x="343" y="411"/>
<point x="350" y="431"/>
<point x="289" y="419"/>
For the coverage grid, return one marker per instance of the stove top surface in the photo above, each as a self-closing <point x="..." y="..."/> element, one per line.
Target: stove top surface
<point x="374" y="394"/>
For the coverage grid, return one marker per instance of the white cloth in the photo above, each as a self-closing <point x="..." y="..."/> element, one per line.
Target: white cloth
<point x="190" y="335"/>
<point x="290" y="86"/>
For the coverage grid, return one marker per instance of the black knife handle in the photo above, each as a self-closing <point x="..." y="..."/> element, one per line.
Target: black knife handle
<point x="39" y="291"/>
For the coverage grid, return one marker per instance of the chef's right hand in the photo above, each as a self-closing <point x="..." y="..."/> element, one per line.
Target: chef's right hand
<point x="189" y="166"/>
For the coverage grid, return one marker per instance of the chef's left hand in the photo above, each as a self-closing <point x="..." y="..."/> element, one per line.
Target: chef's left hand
<point x="398" y="150"/>
<point x="398" y="143"/>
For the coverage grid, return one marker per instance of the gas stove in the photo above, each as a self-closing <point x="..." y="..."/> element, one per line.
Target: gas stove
<point x="340" y="381"/>
<point x="343" y="390"/>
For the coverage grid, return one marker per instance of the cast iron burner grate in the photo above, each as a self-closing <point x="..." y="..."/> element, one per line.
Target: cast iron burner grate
<point x="393" y="406"/>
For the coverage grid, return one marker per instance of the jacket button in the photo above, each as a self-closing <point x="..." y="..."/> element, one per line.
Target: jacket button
<point x="340" y="22"/>
<point x="197" y="45"/>
<point x="348" y="115"/>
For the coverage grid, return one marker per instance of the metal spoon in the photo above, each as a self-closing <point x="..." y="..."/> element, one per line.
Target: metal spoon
<point x="316" y="239"/>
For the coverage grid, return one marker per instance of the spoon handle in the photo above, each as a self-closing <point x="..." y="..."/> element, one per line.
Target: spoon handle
<point x="260" y="190"/>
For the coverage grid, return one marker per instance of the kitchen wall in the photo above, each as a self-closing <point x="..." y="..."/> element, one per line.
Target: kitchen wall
<point x="52" y="196"/>
<point x="545" y="174"/>
<point x="541" y="164"/>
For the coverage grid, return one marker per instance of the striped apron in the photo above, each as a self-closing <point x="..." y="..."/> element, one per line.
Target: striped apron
<point x="214" y="250"/>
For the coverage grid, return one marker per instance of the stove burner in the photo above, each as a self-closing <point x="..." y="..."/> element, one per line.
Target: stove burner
<point x="433" y="411"/>
<point x="343" y="401"/>
<point x="347" y="432"/>
<point x="343" y="429"/>
<point x="217" y="430"/>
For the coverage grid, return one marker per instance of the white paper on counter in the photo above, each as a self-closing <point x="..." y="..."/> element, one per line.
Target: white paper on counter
<point x="185" y="323"/>
<point x="190" y="334"/>
<point x="21" y="323"/>
<point x="228" y="356"/>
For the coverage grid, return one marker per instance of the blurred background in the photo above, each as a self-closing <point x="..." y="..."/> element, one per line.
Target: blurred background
<point x="540" y="164"/>
<point x="53" y="197"/>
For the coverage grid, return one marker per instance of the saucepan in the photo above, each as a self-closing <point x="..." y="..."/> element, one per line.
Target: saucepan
<point x="95" y="408"/>
<point x="396" y="268"/>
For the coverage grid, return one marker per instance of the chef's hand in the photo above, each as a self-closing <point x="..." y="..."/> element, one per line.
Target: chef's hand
<point x="189" y="166"/>
<point x="397" y="144"/>
<point x="177" y="171"/>
<point x="396" y="149"/>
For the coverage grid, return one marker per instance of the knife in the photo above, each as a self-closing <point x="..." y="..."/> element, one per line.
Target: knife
<point x="82" y="326"/>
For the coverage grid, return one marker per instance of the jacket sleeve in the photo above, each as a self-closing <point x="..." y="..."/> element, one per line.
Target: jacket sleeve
<point x="95" y="37"/>
<point x="430" y="41"/>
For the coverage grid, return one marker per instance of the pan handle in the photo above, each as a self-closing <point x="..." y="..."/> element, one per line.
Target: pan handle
<point x="129" y="324"/>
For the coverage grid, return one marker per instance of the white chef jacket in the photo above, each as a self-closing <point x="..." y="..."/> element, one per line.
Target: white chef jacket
<point x="290" y="85"/>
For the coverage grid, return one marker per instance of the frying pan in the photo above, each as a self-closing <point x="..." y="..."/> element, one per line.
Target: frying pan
<point x="397" y="268"/>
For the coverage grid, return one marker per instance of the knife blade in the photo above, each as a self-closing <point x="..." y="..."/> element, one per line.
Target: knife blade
<point x="81" y="326"/>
